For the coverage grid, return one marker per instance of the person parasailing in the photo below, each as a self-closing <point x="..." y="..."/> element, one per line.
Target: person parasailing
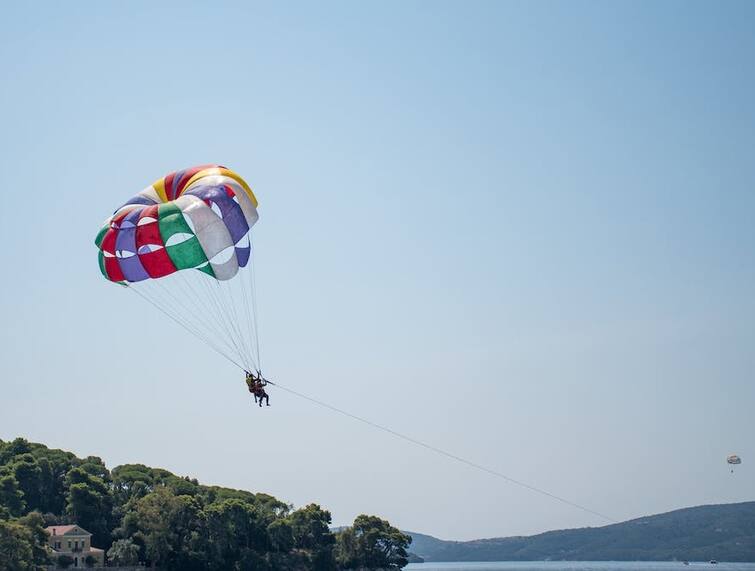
<point x="256" y="385"/>
<point x="261" y="392"/>
<point x="251" y="382"/>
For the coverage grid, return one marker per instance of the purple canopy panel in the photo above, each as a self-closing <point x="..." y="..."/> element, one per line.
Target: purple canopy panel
<point x="233" y="216"/>
<point x="243" y="253"/>
<point x="125" y="241"/>
<point x="137" y="200"/>
<point x="234" y="220"/>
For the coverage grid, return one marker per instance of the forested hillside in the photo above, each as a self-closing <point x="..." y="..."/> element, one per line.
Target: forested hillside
<point x="148" y="515"/>
<point x="722" y="532"/>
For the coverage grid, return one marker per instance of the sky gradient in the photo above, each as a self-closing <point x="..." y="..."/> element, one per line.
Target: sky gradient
<point x="521" y="232"/>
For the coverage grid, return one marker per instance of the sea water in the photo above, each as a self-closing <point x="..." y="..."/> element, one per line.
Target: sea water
<point x="578" y="566"/>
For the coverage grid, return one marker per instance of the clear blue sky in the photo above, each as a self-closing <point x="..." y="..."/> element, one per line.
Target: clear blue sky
<point x="523" y="232"/>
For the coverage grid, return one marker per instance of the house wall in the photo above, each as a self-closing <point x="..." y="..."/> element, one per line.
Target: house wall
<point x="81" y="556"/>
<point x="84" y="541"/>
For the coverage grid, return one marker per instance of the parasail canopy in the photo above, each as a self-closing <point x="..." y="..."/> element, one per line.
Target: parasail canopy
<point x="184" y="244"/>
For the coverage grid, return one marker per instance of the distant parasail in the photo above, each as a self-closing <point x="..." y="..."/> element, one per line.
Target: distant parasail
<point x="733" y="460"/>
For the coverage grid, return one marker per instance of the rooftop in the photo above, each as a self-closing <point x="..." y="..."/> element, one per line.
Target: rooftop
<point x="64" y="529"/>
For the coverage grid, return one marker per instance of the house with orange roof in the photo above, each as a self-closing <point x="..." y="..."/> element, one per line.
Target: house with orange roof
<point x="75" y="542"/>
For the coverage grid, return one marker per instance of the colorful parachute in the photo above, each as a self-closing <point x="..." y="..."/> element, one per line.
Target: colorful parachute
<point x="184" y="244"/>
<point x="733" y="460"/>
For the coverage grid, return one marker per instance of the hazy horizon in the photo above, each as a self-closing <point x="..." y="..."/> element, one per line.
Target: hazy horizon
<point x="519" y="232"/>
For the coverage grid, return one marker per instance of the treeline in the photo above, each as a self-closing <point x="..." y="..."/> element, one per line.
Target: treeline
<point x="148" y="515"/>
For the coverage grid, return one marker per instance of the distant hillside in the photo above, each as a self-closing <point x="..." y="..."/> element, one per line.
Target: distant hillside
<point x="722" y="532"/>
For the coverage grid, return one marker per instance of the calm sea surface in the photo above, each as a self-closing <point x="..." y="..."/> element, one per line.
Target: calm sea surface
<point x="578" y="566"/>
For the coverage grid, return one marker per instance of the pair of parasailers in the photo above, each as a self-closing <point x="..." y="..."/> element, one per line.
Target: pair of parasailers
<point x="256" y="384"/>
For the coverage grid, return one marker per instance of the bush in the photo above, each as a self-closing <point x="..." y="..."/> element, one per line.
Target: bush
<point x="65" y="561"/>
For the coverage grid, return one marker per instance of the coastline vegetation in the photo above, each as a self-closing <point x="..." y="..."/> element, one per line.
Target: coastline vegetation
<point x="144" y="515"/>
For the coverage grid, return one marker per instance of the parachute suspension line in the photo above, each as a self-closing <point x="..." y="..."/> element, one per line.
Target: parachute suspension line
<point x="249" y="334"/>
<point x="205" y="326"/>
<point x="185" y="326"/>
<point x="166" y="309"/>
<point x="247" y="308"/>
<point x="253" y="277"/>
<point x="224" y="295"/>
<point x="228" y="314"/>
<point x="248" y="322"/>
<point x="159" y="296"/>
<point x="184" y="301"/>
<point x="226" y="287"/>
<point x="217" y="313"/>
<point x="445" y="453"/>
<point x="209" y="318"/>
<point x="251" y="304"/>
<point x="184" y="310"/>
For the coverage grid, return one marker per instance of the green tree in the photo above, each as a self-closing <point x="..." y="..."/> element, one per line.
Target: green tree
<point x="47" y="489"/>
<point x="264" y="502"/>
<point x="130" y="482"/>
<point x="15" y="448"/>
<point x="94" y="466"/>
<point x="281" y="536"/>
<point x="182" y="486"/>
<point x="123" y="553"/>
<point x="11" y="496"/>
<point x="65" y="561"/>
<point x="372" y="543"/>
<point x="28" y="474"/>
<point x="21" y="545"/>
<point x="169" y="527"/>
<point x="35" y="523"/>
<point x="54" y="465"/>
<point x="237" y="535"/>
<point x="15" y="547"/>
<point x="90" y="504"/>
<point x="311" y="532"/>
